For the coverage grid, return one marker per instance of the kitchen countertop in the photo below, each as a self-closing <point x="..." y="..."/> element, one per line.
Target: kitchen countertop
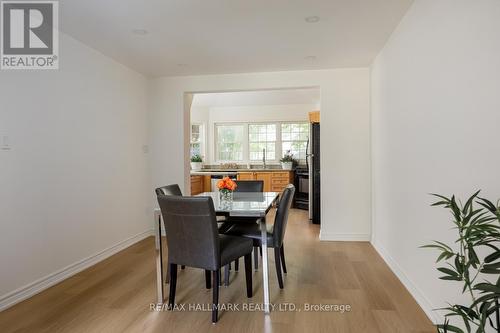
<point x="232" y="172"/>
<point x="213" y="173"/>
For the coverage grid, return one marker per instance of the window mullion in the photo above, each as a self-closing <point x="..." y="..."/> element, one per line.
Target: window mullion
<point x="279" y="148"/>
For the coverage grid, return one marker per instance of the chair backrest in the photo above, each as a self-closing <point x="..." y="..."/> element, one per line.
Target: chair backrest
<point x="249" y="186"/>
<point x="192" y="237"/>
<point x="281" y="217"/>
<point x="173" y="189"/>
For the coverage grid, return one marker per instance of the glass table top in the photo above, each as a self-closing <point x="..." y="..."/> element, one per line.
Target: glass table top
<point x="243" y="203"/>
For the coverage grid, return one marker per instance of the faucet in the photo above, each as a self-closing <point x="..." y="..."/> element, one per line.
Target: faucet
<point x="264" y="157"/>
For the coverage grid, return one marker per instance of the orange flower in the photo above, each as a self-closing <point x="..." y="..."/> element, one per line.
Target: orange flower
<point x="226" y="183"/>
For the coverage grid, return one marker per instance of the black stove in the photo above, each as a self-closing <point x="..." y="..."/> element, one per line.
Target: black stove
<point x="301" y="183"/>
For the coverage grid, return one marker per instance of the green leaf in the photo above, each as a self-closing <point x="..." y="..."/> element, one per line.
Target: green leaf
<point x="450" y="278"/>
<point x="450" y="328"/>
<point x="492" y="257"/>
<point x="447" y="271"/>
<point x="458" y="265"/>
<point x="487" y="287"/>
<point x="487" y="204"/>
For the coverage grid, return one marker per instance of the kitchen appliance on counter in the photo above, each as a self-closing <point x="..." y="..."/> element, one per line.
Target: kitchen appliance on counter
<point x="313" y="161"/>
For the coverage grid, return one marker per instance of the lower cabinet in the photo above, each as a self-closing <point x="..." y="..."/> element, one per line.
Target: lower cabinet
<point x="280" y="180"/>
<point x="246" y="176"/>
<point x="266" y="177"/>
<point x="274" y="181"/>
<point x="196" y="185"/>
<point x="200" y="184"/>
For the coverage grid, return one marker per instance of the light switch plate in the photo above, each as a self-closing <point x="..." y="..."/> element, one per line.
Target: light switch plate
<point x="4" y="141"/>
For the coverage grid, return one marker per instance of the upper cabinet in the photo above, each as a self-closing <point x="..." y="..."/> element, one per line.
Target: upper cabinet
<point x="314" y="116"/>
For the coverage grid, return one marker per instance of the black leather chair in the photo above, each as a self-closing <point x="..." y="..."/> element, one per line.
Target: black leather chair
<point x="242" y="186"/>
<point x="175" y="190"/>
<point x="275" y="233"/>
<point x="249" y="186"/>
<point x="194" y="241"/>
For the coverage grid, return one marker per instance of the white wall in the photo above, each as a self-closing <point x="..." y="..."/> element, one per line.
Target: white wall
<point x="436" y="116"/>
<point x="209" y="116"/>
<point x="345" y="137"/>
<point x="76" y="181"/>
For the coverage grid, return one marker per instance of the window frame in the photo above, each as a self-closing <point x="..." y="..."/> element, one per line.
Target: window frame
<point x="246" y="141"/>
<point x="303" y="160"/>
<point x="202" y="136"/>
<point x="278" y="135"/>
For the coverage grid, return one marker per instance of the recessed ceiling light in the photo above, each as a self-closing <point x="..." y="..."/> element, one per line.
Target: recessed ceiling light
<point x="310" y="58"/>
<point x="312" y="19"/>
<point x="140" y="32"/>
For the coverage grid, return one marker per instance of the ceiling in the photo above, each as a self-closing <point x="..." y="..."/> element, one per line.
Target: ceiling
<point x="194" y="37"/>
<point x="258" y="98"/>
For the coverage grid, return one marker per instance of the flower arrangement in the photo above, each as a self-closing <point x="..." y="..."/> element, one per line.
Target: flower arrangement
<point x="196" y="162"/>
<point x="226" y="184"/>
<point x="226" y="187"/>
<point x="196" y="158"/>
<point x="288" y="157"/>
<point x="287" y="161"/>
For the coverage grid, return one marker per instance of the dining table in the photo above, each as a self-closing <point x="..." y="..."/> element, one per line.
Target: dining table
<point x="241" y="204"/>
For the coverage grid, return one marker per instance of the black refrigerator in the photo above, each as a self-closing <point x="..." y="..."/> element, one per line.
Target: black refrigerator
<point x="313" y="159"/>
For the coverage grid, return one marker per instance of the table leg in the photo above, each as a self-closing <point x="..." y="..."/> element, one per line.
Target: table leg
<point x="265" y="266"/>
<point x="159" y="258"/>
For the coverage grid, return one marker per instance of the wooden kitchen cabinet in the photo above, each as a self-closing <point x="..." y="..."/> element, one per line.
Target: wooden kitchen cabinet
<point x="279" y="180"/>
<point x="266" y="177"/>
<point x="200" y="184"/>
<point x="246" y="176"/>
<point x="274" y="181"/>
<point x="196" y="185"/>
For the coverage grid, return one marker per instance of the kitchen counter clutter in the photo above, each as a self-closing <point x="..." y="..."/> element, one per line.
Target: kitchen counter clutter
<point x="275" y="180"/>
<point x="234" y="172"/>
<point x="214" y="173"/>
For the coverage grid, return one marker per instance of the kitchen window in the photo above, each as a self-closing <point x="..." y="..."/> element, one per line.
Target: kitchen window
<point x="197" y="139"/>
<point x="244" y="142"/>
<point x="294" y="139"/>
<point x="262" y="136"/>
<point x="230" y="141"/>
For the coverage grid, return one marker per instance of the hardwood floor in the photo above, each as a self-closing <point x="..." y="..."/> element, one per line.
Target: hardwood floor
<point x="115" y="295"/>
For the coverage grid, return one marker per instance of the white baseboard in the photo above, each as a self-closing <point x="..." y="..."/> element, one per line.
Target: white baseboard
<point x="39" y="285"/>
<point x="325" y="236"/>
<point x="417" y="294"/>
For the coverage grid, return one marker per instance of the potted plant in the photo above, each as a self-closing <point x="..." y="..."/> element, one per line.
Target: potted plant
<point x="196" y="162"/>
<point x="474" y="262"/>
<point x="287" y="161"/>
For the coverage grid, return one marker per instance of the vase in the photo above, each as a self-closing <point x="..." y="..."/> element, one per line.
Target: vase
<point x="287" y="165"/>
<point x="226" y="195"/>
<point x="196" y="166"/>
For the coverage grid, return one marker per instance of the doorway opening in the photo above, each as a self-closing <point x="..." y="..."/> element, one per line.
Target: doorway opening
<point x="253" y="135"/>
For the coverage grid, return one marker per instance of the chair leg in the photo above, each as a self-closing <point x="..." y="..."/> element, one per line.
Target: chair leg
<point x="208" y="280"/>
<point x="282" y="253"/>
<point x="167" y="278"/>
<point x="173" y="284"/>
<point x="256" y="258"/>
<point x="221" y="280"/>
<point x="278" y="266"/>
<point x="215" y="302"/>
<point x="237" y="264"/>
<point x="226" y="275"/>
<point x="260" y="250"/>
<point x="248" y="274"/>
